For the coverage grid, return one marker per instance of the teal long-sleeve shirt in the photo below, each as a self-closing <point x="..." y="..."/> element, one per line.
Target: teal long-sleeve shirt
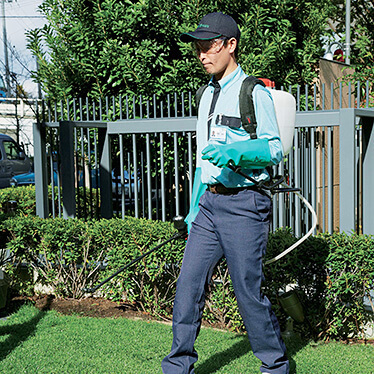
<point x="228" y="105"/>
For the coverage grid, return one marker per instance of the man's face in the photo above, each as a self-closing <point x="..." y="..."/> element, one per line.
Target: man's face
<point x="214" y="55"/>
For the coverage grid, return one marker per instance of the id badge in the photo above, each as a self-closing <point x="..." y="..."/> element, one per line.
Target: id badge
<point x="218" y="133"/>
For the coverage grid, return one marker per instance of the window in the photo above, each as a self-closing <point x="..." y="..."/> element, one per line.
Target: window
<point x="12" y="150"/>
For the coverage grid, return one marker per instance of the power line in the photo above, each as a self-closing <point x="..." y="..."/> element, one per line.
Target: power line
<point x="15" y="54"/>
<point x="22" y="17"/>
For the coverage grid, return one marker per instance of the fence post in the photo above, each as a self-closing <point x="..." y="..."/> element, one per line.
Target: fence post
<point x="368" y="175"/>
<point x="106" y="202"/>
<point x="347" y="212"/>
<point x="67" y="168"/>
<point x="40" y="169"/>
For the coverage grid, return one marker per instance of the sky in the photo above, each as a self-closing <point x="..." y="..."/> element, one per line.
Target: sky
<point x="20" y="16"/>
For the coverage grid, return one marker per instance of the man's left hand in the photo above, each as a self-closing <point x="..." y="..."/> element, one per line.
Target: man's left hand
<point x="216" y="154"/>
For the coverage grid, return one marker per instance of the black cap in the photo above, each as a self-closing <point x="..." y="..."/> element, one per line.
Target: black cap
<point x="211" y="26"/>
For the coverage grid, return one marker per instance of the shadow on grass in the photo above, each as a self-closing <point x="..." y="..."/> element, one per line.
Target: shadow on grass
<point x="20" y="332"/>
<point x="220" y="359"/>
<point x="241" y="348"/>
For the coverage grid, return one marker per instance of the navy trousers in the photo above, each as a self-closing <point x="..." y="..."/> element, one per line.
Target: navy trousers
<point x="235" y="226"/>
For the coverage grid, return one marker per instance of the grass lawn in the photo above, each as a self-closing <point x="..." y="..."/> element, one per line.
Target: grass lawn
<point x="47" y="342"/>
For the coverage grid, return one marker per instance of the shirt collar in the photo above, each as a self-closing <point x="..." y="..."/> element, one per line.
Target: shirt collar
<point x="229" y="80"/>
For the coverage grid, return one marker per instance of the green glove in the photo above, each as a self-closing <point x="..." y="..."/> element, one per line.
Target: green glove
<point x="250" y="154"/>
<point x="198" y="190"/>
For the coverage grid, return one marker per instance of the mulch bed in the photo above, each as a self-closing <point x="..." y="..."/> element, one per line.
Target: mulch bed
<point x="90" y="307"/>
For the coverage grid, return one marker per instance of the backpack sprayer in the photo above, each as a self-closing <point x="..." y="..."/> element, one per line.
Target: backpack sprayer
<point x="285" y="112"/>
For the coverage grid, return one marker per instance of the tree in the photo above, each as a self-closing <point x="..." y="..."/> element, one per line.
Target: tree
<point x="109" y="47"/>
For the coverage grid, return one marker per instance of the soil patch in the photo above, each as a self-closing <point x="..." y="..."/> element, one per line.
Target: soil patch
<point x="90" y="307"/>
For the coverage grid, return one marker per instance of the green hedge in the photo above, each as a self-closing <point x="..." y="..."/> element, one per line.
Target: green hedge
<point x="25" y="197"/>
<point x="26" y="203"/>
<point x="333" y="272"/>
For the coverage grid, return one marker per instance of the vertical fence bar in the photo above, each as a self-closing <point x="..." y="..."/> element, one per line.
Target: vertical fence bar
<point x="136" y="194"/>
<point x="368" y="175"/>
<point x="340" y="94"/>
<point x="106" y="195"/>
<point x="358" y="178"/>
<point x="107" y="108"/>
<point x="83" y="174"/>
<point x="182" y="104"/>
<point x="346" y="170"/>
<point x="190" y="103"/>
<point x="122" y="166"/>
<point x="330" y="178"/>
<point x="323" y="180"/>
<point x="358" y="98"/>
<point x="149" y="174"/>
<point x="67" y="168"/>
<point x="143" y="182"/>
<point x="140" y="106"/>
<point x="313" y="169"/>
<point x="96" y="172"/>
<point x="52" y="173"/>
<point x="305" y="175"/>
<point x="281" y="200"/>
<point x="162" y="160"/>
<point x="367" y="94"/>
<point x="176" y="179"/>
<point x="41" y="183"/>
<point x="131" y="192"/>
<point x="275" y="220"/>
<point x="291" y="158"/>
<point x="297" y="180"/>
<point x="190" y="165"/>
<point x="76" y="158"/>
<point x="314" y="97"/>
<point x="175" y="105"/>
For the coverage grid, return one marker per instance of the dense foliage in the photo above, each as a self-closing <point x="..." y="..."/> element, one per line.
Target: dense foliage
<point x="99" y="48"/>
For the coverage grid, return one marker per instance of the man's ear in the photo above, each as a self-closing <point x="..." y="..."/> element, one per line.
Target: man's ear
<point x="232" y="44"/>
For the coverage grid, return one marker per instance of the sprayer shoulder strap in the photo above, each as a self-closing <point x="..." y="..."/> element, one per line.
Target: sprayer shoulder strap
<point x="247" y="110"/>
<point x="199" y="93"/>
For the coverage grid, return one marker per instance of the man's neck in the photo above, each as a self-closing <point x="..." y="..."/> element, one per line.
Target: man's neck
<point x="229" y="69"/>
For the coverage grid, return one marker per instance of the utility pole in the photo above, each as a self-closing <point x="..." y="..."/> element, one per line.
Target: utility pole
<point x="5" y="40"/>
<point x="347" y="31"/>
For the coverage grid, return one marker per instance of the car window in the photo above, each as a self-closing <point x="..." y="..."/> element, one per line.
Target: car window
<point x="12" y="150"/>
<point x="1" y="154"/>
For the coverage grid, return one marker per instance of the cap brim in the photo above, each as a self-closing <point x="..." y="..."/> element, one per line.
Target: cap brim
<point x="198" y="35"/>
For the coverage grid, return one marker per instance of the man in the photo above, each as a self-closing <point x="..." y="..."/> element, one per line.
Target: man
<point x="232" y="218"/>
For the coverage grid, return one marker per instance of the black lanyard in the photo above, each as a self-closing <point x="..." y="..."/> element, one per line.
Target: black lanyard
<point x="217" y="90"/>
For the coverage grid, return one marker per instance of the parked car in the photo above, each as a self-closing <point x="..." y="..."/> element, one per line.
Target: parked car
<point x="13" y="160"/>
<point x="29" y="179"/>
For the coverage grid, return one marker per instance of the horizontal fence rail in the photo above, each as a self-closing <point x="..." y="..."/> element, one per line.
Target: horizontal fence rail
<point x="135" y="156"/>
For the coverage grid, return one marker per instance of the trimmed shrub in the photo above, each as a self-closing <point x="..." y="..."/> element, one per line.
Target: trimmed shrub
<point x="25" y="197"/>
<point x="26" y="203"/>
<point x="349" y="279"/>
